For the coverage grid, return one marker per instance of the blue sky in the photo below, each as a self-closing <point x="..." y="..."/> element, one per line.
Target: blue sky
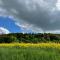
<point x="9" y="24"/>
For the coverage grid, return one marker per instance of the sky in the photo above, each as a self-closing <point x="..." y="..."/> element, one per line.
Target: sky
<point x="38" y="16"/>
<point x="9" y="24"/>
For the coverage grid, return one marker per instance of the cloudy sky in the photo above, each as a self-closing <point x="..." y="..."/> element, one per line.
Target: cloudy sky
<point x="30" y="15"/>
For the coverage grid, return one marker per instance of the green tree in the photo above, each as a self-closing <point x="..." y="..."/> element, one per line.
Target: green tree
<point x="13" y="39"/>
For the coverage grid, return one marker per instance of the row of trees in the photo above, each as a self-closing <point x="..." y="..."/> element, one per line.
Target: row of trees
<point x="29" y="38"/>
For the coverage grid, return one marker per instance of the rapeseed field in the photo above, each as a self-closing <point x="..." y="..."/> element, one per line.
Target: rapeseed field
<point x="29" y="51"/>
<point x="48" y="45"/>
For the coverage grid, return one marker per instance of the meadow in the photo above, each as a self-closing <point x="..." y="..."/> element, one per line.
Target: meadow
<point x="30" y="51"/>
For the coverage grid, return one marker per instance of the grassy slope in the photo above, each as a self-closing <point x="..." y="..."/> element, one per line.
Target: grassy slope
<point x="17" y="53"/>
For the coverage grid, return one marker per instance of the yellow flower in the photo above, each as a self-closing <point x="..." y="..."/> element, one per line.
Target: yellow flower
<point x="42" y="45"/>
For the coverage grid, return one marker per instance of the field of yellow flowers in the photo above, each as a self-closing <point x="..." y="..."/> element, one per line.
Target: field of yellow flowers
<point x="23" y="51"/>
<point x="48" y="45"/>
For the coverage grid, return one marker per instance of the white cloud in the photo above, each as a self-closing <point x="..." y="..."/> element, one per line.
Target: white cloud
<point x="58" y="4"/>
<point x="24" y="27"/>
<point x="54" y="31"/>
<point x="4" y="30"/>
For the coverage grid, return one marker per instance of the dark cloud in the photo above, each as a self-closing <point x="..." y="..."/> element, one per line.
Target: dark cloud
<point x="41" y="13"/>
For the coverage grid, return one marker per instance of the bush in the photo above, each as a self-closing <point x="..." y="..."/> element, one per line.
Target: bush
<point x="13" y="39"/>
<point x="8" y="39"/>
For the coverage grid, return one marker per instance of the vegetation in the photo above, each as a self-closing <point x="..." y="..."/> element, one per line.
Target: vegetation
<point x="29" y="53"/>
<point x="39" y="46"/>
<point x="29" y="38"/>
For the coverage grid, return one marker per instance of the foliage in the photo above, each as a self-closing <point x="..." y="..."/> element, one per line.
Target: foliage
<point x="29" y="38"/>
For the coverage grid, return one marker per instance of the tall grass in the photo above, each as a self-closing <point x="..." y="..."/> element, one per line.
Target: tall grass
<point x="29" y="53"/>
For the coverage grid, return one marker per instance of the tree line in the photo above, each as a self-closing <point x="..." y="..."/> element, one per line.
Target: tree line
<point x="29" y="38"/>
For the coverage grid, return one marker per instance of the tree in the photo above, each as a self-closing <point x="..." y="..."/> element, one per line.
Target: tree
<point x="13" y="39"/>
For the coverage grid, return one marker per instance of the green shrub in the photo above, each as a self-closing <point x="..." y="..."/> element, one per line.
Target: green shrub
<point x="13" y="39"/>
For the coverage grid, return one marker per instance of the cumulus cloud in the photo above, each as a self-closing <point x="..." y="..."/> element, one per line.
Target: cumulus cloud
<point x="4" y="30"/>
<point x="43" y="15"/>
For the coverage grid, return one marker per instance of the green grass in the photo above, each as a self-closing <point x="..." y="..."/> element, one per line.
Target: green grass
<point x="16" y="53"/>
